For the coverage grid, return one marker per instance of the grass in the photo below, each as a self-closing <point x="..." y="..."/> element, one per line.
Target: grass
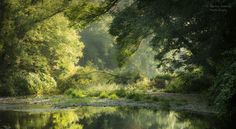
<point x="95" y="90"/>
<point x="116" y="92"/>
<point x="112" y="94"/>
<point x="103" y="95"/>
<point x="74" y="93"/>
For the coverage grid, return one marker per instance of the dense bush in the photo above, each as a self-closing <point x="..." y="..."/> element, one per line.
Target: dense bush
<point x="75" y="93"/>
<point x="175" y="85"/>
<point x="79" y="93"/>
<point x="126" y="77"/>
<point x="188" y="82"/>
<point x="114" y="97"/>
<point x="40" y="83"/>
<point x="223" y="93"/>
<point x="83" y="77"/>
<point x="33" y="57"/>
<point x="161" y="81"/>
<point x="28" y="83"/>
<point x="142" y="84"/>
<point x="103" y="95"/>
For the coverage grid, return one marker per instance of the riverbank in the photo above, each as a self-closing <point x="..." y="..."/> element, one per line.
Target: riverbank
<point x="174" y="101"/>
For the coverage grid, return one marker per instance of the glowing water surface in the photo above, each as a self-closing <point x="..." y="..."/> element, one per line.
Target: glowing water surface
<point x="104" y="118"/>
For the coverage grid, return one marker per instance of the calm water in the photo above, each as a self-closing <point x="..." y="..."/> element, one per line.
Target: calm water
<point x="105" y="118"/>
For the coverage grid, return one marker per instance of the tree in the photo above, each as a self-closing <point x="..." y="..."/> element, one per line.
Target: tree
<point x="176" y="24"/>
<point x="39" y="46"/>
<point x="206" y="29"/>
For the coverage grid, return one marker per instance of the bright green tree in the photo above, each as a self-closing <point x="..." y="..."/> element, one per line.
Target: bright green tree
<point x="39" y="46"/>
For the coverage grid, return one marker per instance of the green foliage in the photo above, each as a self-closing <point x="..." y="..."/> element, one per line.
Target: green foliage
<point x="175" y="85"/>
<point x="18" y="78"/>
<point x="103" y="95"/>
<point x="189" y="82"/>
<point x="24" y="83"/>
<point x="136" y="96"/>
<point x="60" y="45"/>
<point x="161" y="81"/>
<point x="75" y="93"/>
<point x="223" y="93"/>
<point x="90" y="78"/>
<point x="95" y="90"/>
<point x="132" y="94"/>
<point x="84" y="12"/>
<point x="126" y="77"/>
<point x="172" y="28"/>
<point x="143" y="84"/>
<point x="121" y="92"/>
<point x="49" y="51"/>
<point x="185" y="35"/>
<point x="140" y="96"/>
<point x="37" y="38"/>
<point x="113" y="96"/>
<point x="81" y="78"/>
<point x="41" y="83"/>
<point x="194" y="82"/>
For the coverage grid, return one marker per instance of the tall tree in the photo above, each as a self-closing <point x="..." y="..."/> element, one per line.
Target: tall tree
<point x="193" y="25"/>
<point x="206" y="29"/>
<point x="38" y="42"/>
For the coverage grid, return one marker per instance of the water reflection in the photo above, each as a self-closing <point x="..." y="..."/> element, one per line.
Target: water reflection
<point x="104" y="118"/>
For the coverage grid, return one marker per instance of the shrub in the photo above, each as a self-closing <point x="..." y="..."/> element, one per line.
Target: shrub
<point x="28" y="83"/>
<point x="75" y="93"/>
<point x="142" y="84"/>
<point x="80" y="79"/>
<point x="136" y="96"/>
<point x="223" y="93"/>
<point x="175" y="85"/>
<point x="40" y="83"/>
<point x="103" y="95"/>
<point x="69" y="91"/>
<point x="127" y="78"/>
<point x="121" y="92"/>
<point x="78" y="94"/>
<point x="189" y="82"/>
<point x="161" y="81"/>
<point x="113" y="96"/>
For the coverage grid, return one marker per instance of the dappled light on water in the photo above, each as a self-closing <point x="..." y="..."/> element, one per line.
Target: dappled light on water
<point x="104" y="118"/>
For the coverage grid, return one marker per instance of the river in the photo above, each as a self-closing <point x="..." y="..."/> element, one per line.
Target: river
<point x="88" y="117"/>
